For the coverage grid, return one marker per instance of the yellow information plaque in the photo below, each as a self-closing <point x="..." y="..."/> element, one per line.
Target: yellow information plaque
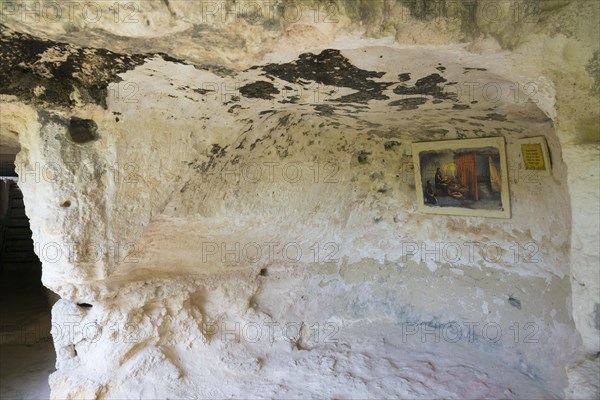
<point x="533" y="156"/>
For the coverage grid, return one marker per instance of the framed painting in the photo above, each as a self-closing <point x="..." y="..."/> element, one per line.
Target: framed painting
<point x="533" y="155"/>
<point x="462" y="177"/>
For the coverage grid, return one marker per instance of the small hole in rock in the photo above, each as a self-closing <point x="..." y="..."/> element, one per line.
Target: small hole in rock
<point x="264" y="272"/>
<point x="84" y="305"/>
<point x="83" y="130"/>
<point x="66" y="204"/>
<point x="513" y="301"/>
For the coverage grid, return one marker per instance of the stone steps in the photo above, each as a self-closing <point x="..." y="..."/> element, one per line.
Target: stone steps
<point x="16" y="245"/>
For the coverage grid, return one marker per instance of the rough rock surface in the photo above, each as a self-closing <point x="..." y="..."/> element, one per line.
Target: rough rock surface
<point x="243" y="229"/>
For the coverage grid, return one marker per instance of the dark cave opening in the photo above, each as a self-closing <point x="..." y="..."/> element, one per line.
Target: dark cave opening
<point x="26" y="350"/>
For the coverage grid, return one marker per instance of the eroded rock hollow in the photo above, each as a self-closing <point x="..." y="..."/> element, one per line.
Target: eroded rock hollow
<point x="223" y="195"/>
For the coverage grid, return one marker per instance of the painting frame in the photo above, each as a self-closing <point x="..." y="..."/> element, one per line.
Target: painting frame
<point x="458" y="194"/>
